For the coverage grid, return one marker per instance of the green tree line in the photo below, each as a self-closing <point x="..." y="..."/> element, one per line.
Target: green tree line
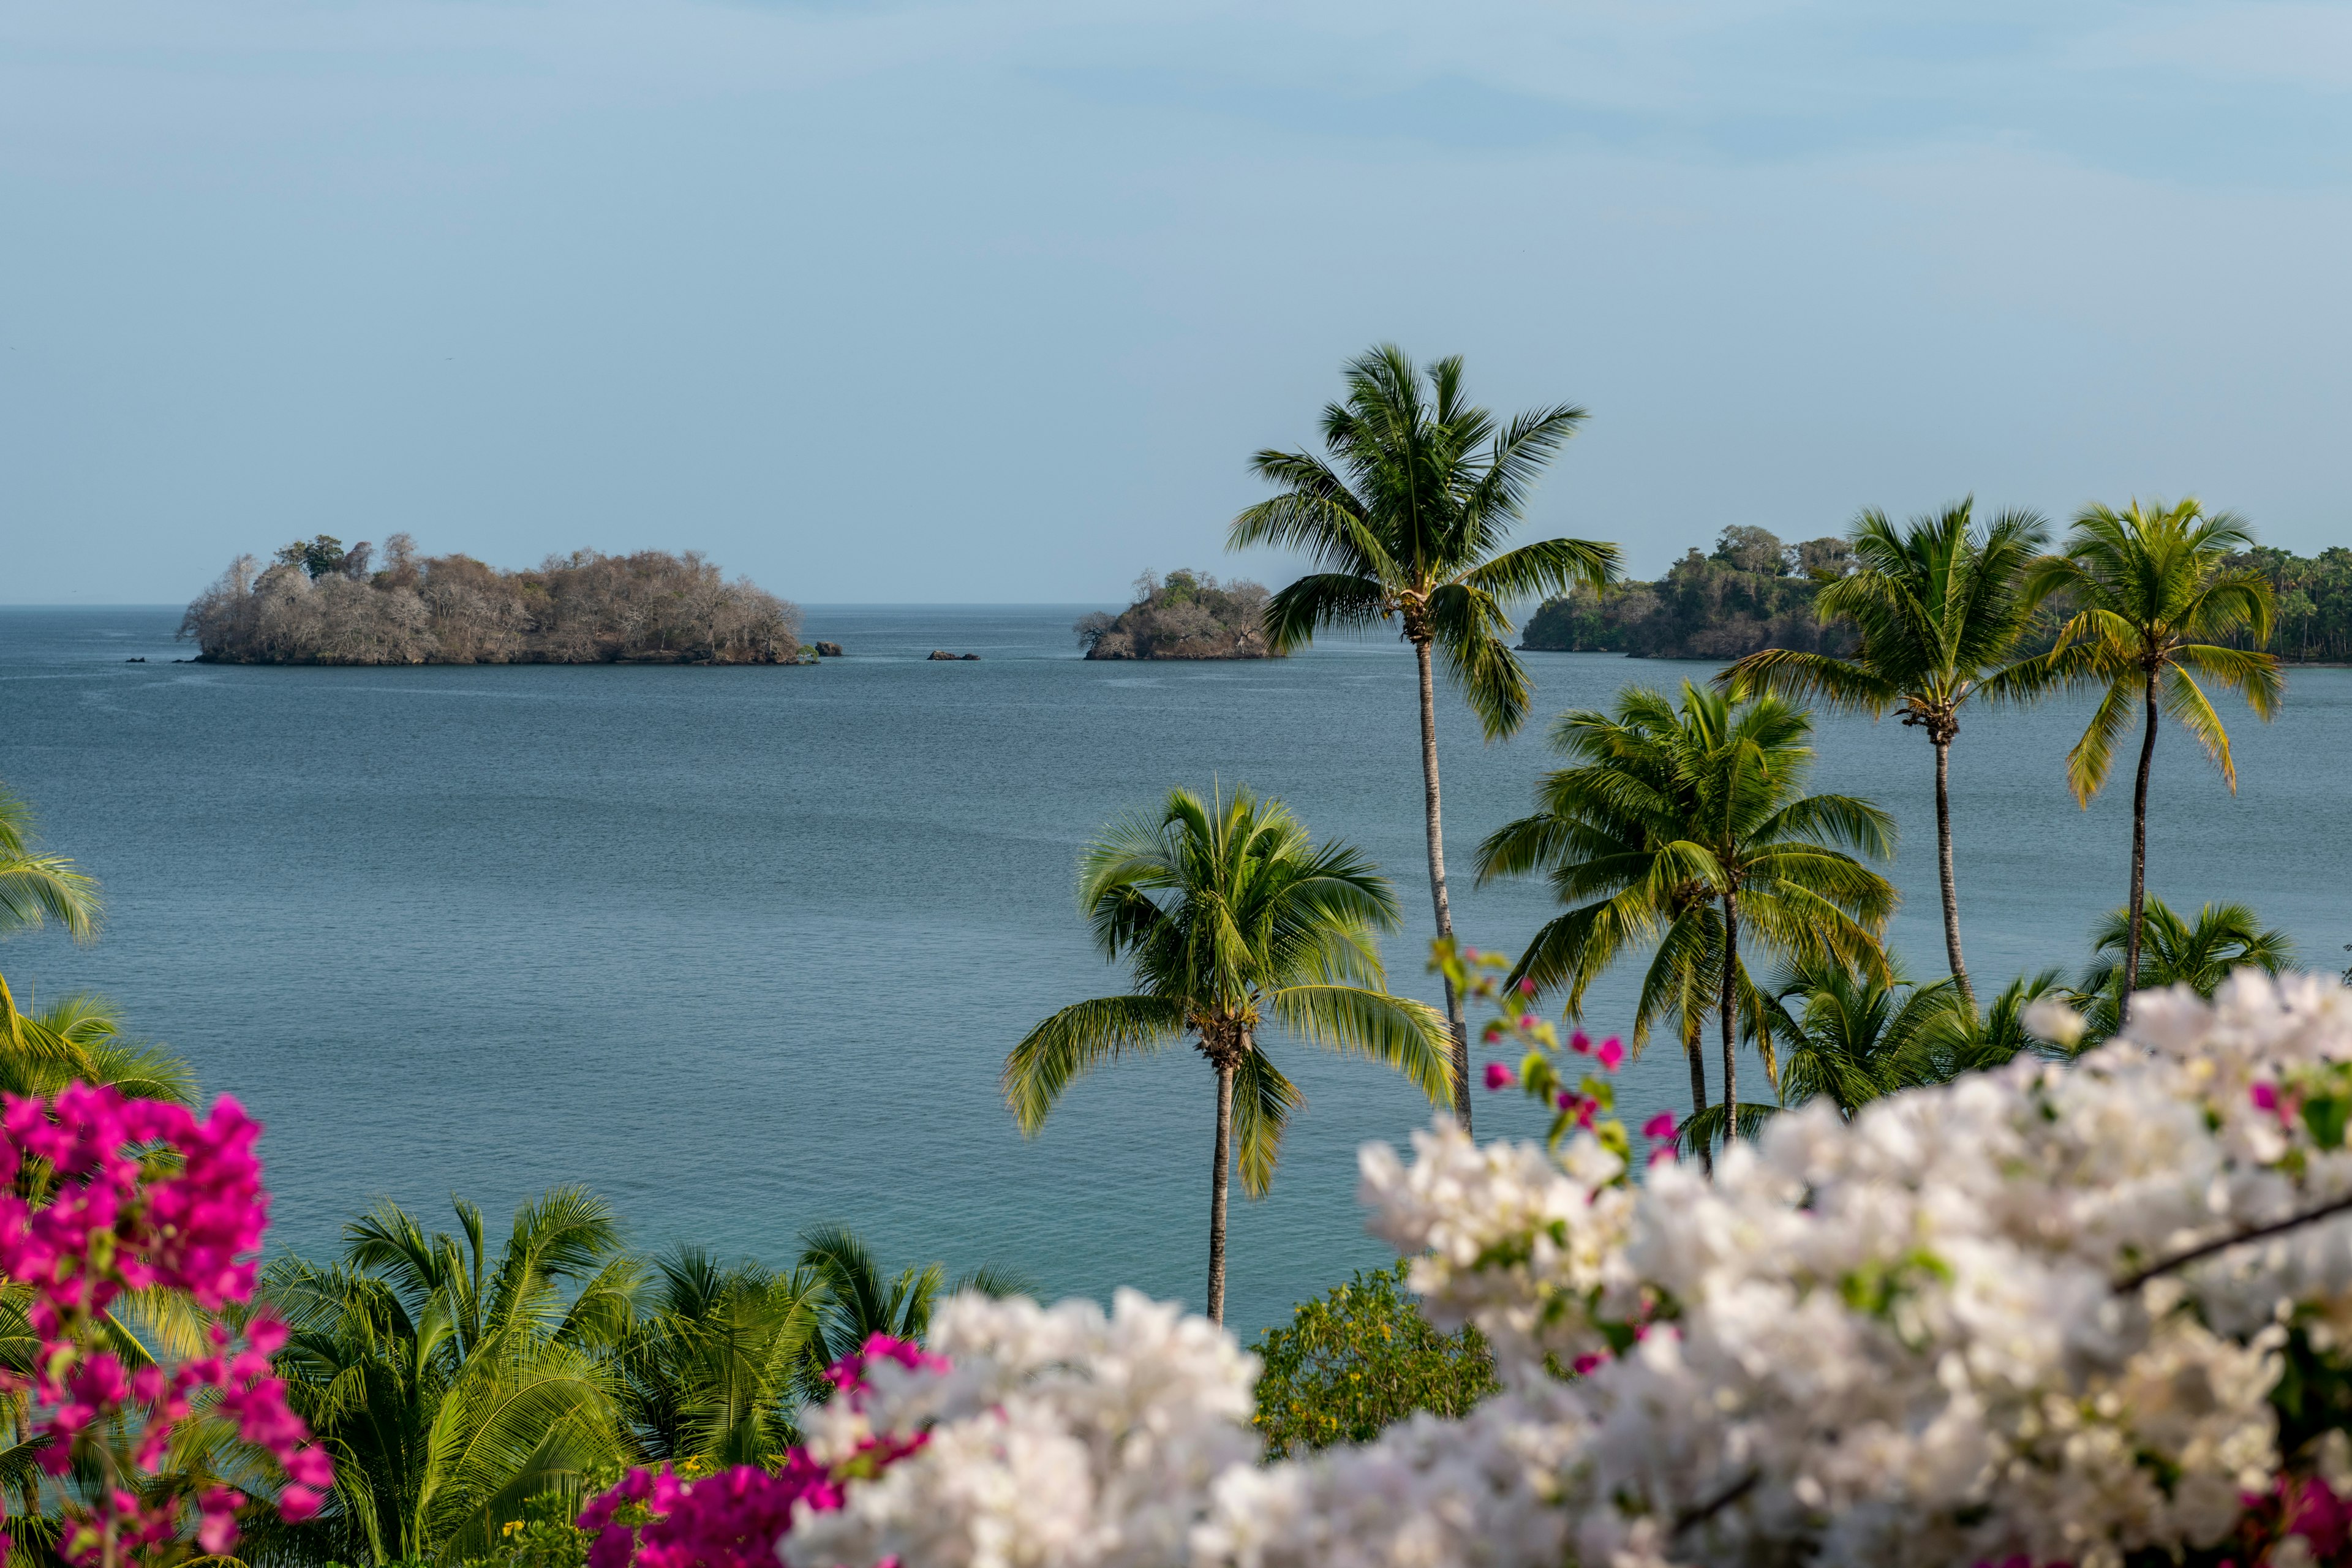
<point x="1751" y="593"/>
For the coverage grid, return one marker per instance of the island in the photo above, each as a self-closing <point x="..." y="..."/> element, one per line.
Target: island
<point x="1752" y="592"/>
<point x="1190" y="615"/>
<point x="317" y="603"/>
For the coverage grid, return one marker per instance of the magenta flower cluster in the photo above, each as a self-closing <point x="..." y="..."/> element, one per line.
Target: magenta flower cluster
<point x="135" y="1194"/>
<point x="735" y="1519"/>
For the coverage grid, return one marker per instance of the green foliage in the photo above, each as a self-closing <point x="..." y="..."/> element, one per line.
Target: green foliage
<point x="1406" y="516"/>
<point x="2200" y="953"/>
<point x="1704" y="607"/>
<point x="544" y="1537"/>
<point x="1670" y="820"/>
<point x="1360" y="1359"/>
<point x="320" y="556"/>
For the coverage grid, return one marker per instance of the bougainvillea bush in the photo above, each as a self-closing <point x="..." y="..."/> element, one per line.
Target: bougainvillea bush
<point x="101" y="1196"/>
<point x="2093" y="1314"/>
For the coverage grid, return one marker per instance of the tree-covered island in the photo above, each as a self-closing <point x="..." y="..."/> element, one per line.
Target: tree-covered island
<point x="1751" y="592"/>
<point x="1190" y="615"/>
<point x="317" y="603"/>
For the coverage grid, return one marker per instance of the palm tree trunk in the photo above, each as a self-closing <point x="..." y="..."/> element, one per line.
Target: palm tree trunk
<point x="1730" y="1009"/>
<point x="2139" y="848"/>
<point x="1217" y="1183"/>
<point x="1694" y="1021"/>
<point x="1454" y="1021"/>
<point x="1944" y="862"/>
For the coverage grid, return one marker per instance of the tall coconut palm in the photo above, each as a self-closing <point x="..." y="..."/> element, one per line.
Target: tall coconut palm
<point x="1407" y="514"/>
<point x="2200" y="953"/>
<point x="1231" y="923"/>
<point x="1939" y="605"/>
<point x="451" y="1380"/>
<point x="2152" y="596"/>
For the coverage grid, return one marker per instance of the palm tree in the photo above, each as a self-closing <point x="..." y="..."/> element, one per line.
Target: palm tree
<point x="35" y="889"/>
<point x="451" y="1381"/>
<point x="1407" y="517"/>
<point x="858" y="1299"/>
<point x="1599" y="825"/>
<point x="711" y="1370"/>
<point x="1769" y="851"/>
<point x="2152" y="593"/>
<point x="1939" y="605"/>
<point x="1232" y="922"/>
<point x="1852" y="1037"/>
<point x="2200" y="954"/>
<point x="1678" y="821"/>
<point x="80" y="1038"/>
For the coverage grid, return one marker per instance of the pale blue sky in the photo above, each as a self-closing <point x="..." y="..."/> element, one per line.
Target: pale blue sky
<point x="992" y="301"/>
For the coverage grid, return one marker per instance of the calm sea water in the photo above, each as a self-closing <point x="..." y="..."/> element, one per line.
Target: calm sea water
<point x="743" y="949"/>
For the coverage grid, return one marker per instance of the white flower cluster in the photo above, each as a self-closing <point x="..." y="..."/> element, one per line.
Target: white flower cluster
<point x="1902" y="1339"/>
<point x="1920" y="1338"/>
<point x="1057" y="1438"/>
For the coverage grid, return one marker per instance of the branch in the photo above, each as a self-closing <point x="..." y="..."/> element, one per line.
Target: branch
<point x="1716" y="1504"/>
<point x="2207" y="1250"/>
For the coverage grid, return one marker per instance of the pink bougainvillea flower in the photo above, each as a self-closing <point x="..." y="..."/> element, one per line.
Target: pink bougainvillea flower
<point x="1662" y="1125"/>
<point x="1581" y="1043"/>
<point x="1612" y="1052"/>
<point x="1499" y="1077"/>
<point x="1527" y="988"/>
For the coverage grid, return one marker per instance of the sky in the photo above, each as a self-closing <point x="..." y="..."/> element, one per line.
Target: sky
<point x="992" y="301"/>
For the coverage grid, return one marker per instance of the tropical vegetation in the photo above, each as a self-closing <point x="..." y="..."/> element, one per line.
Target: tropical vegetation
<point x="1233" y="923"/>
<point x="318" y="604"/>
<point x="1748" y="592"/>
<point x="1675" y="825"/>
<point x="1359" y="1359"/>
<point x="1407" y="512"/>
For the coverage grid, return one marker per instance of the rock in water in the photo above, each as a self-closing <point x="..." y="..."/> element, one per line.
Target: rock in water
<point x="828" y="651"/>
<point x="941" y="653"/>
<point x="967" y="656"/>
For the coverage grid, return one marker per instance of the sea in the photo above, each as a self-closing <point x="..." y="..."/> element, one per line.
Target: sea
<point x="743" y="950"/>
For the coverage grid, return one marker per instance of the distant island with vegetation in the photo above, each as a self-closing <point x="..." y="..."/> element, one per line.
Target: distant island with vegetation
<point x="1190" y="615"/>
<point x="1752" y="592"/>
<point x="317" y="603"/>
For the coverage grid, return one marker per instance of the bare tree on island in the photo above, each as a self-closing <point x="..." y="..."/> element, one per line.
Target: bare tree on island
<point x="1407" y="515"/>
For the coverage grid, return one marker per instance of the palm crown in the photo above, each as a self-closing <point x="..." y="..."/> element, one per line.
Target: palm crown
<point x="1678" y="823"/>
<point x="1939" y="605"/>
<point x="2200" y="953"/>
<point x="35" y="889"/>
<point x="1408" y="515"/>
<point x="1230" y="920"/>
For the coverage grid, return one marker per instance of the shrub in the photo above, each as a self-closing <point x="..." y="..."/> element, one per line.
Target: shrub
<point x="1360" y="1359"/>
